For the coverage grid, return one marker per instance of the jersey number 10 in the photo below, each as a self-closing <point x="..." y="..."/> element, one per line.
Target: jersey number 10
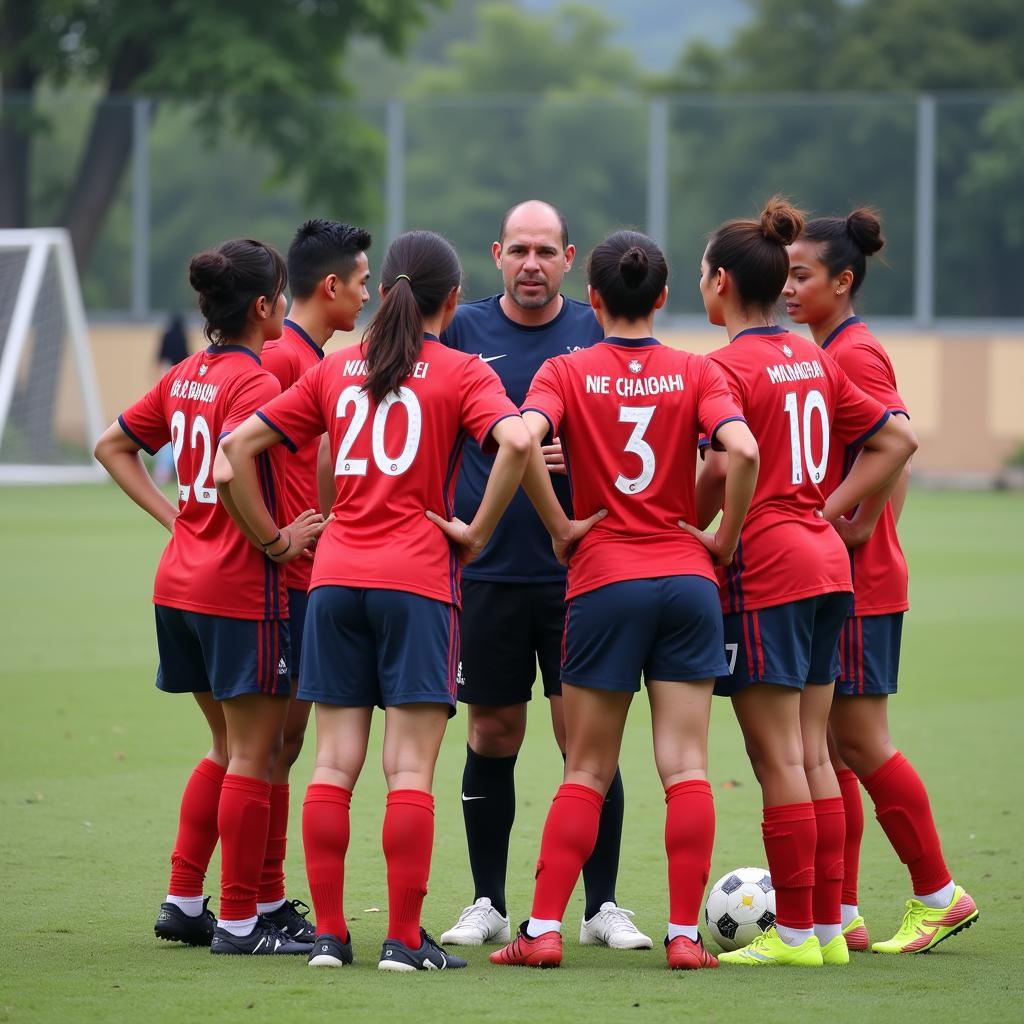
<point x="800" y="435"/>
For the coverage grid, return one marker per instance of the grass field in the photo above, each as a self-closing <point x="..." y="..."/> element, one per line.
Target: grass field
<point x="93" y="759"/>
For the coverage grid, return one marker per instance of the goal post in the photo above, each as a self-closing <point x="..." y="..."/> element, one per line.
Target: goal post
<point x="50" y="414"/>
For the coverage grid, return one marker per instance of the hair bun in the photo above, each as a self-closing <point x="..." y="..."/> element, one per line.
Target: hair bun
<point x="781" y="222"/>
<point x="864" y="226"/>
<point x="633" y="265"/>
<point x="210" y="272"/>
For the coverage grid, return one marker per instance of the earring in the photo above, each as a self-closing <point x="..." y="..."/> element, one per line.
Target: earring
<point x="839" y="291"/>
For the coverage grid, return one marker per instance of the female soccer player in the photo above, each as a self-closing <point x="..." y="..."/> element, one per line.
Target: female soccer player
<point x="642" y="596"/>
<point x="221" y="607"/>
<point x="827" y="266"/>
<point x="382" y="622"/>
<point x="787" y="592"/>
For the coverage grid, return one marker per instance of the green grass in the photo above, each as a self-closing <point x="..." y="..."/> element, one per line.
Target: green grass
<point x="93" y="759"/>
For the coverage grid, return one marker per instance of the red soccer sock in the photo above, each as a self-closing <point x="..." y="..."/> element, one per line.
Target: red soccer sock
<point x="830" y="823"/>
<point x="197" y="829"/>
<point x="408" y="839"/>
<point x="790" y="836"/>
<point x="905" y="814"/>
<point x="272" y="875"/>
<point x="853" y="810"/>
<point x="325" y="834"/>
<point x="243" y="818"/>
<point x="689" y="838"/>
<point x="570" y="833"/>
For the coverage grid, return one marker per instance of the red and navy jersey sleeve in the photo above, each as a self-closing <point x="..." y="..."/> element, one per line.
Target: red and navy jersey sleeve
<point x="856" y="415"/>
<point x="297" y="414"/>
<point x="252" y="392"/>
<point x="547" y="395"/>
<point x="869" y="368"/>
<point x="483" y="403"/>
<point x="146" y="422"/>
<point x="715" y="402"/>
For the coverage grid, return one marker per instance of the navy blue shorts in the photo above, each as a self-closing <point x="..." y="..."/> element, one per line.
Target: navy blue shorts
<point x="385" y="647"/>
<point x="297" y="601"/>
<point x="869" y="654"/>
<point x="226" y="657"/>
<point x="667" y="628"/>
<point x="792" y="644"/>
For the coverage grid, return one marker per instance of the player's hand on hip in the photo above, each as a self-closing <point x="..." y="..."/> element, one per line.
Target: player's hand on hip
<point x="565" y="545"/>
<point x="554" y="458"/>
<point x="720" y="554"/>
<point x="459" y="534"/>
<point x="301" y="535"/>
<point x="852" y="534"/>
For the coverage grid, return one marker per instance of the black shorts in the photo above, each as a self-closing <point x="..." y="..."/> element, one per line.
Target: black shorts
<point x="507" y="630"/>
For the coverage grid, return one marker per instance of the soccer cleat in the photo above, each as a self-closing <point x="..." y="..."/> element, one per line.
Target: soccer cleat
<point x="330" y="951"/>
<point x="856" y="935"/>
<point x="768" y="950"/>
<point x="523" y="951"/>
<point x="835" y="952"/>
<point x="263" y="940"/>
<point x="684" y="954"/>
<point x="174" y="925"/>
<point x="924" y="928"/>
<point x="611" y="926"/>
<point x="477" y="924"/>
<point x="396" y="956"/>
<point x="292" y="921"/>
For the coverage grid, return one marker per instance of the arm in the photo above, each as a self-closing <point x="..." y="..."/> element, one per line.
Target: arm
<point x="740" y="480"/>
<point x="876" y="469"/>
<point x="326" y="485"/>
<point x="711" y="486"/>
<point x="222" y="476"/>
<point x="119" y="456"/>
<point x="899" y="494"/>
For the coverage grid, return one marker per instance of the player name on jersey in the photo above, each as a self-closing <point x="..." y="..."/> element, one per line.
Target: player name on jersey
<point x="784" y="373"/>
<point x="195" y="390"/>
<point x="631" y="387"/>
<point x="358" y="368"/>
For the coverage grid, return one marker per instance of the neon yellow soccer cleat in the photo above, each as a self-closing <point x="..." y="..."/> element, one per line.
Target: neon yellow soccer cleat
<point x="924" y="928"/>
<point x="856" y="935"/>
<point x="768" y="950"/>
<point x="835" y="953"/>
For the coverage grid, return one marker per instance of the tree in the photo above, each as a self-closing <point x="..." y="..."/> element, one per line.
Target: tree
<point x="258" y="65"/>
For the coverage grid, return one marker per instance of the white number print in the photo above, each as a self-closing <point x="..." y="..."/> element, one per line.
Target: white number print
<point x="204" y="493"/>
<point x="731" y="652"/>
<point x="800" y="435"/>
<point x="389" y="465"/>
<point x="640" y="417"/>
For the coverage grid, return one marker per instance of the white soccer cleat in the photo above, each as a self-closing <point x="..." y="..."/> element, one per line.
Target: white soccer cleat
<point x="477" y="924"/>
<point x="612" y="926"/>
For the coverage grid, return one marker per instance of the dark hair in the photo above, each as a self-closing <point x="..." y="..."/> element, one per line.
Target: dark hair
<point x="846" y="241"/>
<point x="754" y="251"/>
<point x="229" y="279"/>
<point x="321" y="247"/>
<point x="562" y="222"/>
<point x="628" y="271"/>
<point x="419" y="271"/>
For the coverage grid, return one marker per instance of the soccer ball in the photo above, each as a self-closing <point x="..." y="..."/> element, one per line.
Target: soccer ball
<point x="740" y="906"/>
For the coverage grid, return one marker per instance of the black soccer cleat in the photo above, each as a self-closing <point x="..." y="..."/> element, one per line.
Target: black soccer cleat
<point x="263" y="940"/>
<point x="292" y="921"/>
<point x="174" y="925"/>
<point x="330" y="951"/>
<point x="396" y="956"/>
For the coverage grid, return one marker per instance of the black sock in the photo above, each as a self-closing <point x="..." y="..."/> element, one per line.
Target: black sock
<point x="602" y="870"/>
<point x="489" y="808"/>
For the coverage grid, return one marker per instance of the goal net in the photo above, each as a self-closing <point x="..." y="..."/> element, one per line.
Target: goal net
<point x="50" y="416"/>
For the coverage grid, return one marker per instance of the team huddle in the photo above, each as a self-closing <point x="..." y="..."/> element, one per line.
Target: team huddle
<point x="475" y="491"/>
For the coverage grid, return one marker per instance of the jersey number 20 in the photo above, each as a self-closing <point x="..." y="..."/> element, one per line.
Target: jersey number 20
<point x="800" y="435"/>
<point x="389" y="465"/>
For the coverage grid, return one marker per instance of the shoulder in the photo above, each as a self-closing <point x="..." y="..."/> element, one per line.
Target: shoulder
<point x="472" y="315"/>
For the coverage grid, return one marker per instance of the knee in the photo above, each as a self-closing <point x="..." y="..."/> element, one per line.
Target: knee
<point x="864" y="753"/>
<point x="497" y="732"/>
<point x="291" y="747"/>
<point x="772" y="758"/>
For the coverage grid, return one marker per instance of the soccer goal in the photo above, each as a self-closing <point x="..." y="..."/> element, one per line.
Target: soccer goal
<point x="50" y="416"/>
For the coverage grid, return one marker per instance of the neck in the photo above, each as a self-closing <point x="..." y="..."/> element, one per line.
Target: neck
<point x="820" y="331"/>
<point x="616" y="328"/>
<point x="434" y="324"/>
<point x="530" y="317"/>
<point x="737" y="320"/>
<point x="253" y="341"/>
<point x="312" y="321"/>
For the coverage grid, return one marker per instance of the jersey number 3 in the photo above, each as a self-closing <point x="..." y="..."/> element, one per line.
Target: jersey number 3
<point x="389" y="465"/>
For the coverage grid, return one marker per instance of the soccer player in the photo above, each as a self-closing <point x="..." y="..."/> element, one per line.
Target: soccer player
<point x="221" y="605"/>
<point x="788" y="590"/>
<point x="642" y="596"/>
<point x="327" y="275"/>
<point x="513" y="608"/>
<point x="382" y="622"/>
<point x="827" y="267"/>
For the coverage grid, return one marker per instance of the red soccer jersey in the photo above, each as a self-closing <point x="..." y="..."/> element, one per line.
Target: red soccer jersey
<point x="393" y="461"/>
<point x="879" y="568"/>
<point x="629" y="412"/>
<point x="799" y="404"/>
<point x="288" y="358"/>
<point x="209" y="566"/>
